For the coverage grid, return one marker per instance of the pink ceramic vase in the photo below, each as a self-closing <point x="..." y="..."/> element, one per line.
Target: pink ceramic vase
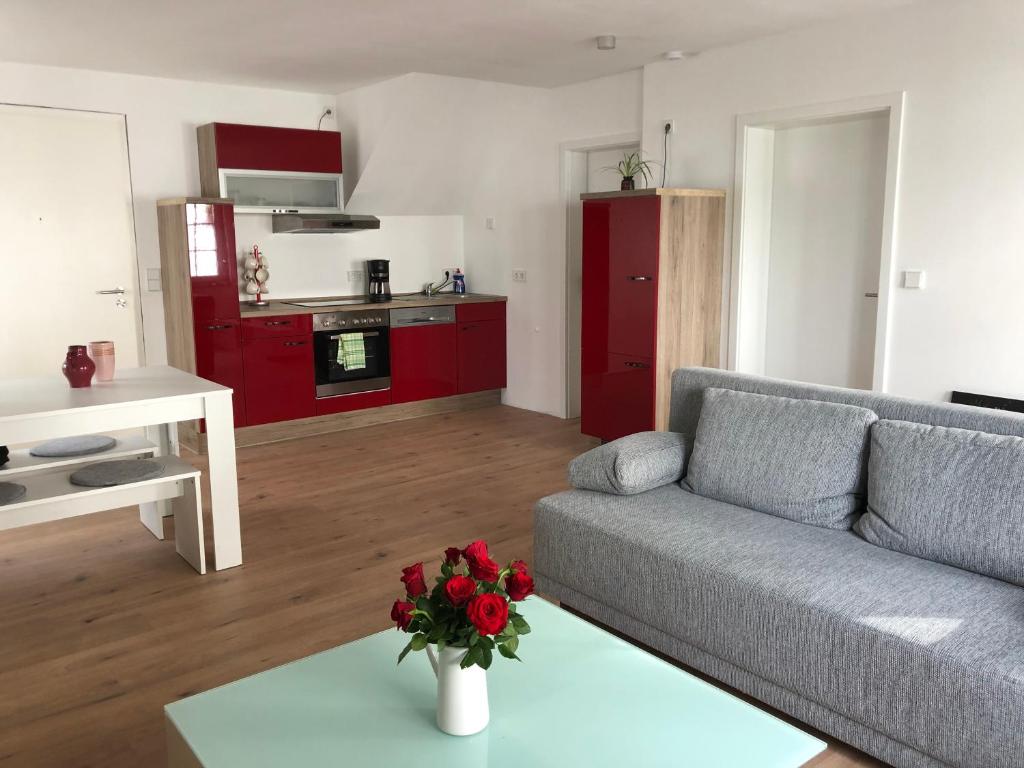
<point x="78" y="367"/>
<point x="102" y="353"/>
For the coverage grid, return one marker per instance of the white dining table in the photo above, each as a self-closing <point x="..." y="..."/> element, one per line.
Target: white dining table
<point x="154" y="398"/>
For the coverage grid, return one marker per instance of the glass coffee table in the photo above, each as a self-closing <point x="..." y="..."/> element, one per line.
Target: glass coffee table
<point x="582" y="697"/>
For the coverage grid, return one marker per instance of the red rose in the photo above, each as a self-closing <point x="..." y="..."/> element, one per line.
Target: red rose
<point x="400" y="614"/>
<point x="452" y="555"/>
<point x="519" y="585"/>
<point x="480" y="563"/>
<point x="519" y="566"/>
<point x="412" y="577"/>
<point x="488" y="612"/>
<point x="458" y="589"/>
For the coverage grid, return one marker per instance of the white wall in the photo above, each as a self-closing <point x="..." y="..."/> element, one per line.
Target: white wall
<point x="419" y="248"/>
<point x="960" y="198"/>
<point x="162" y="116"/>
<point x="425" y="144"/>
<point x="826" y="239"/>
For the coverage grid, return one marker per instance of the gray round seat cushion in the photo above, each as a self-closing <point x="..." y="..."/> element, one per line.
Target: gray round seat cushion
<point x="117" y="472"/>
<point x="82" y="445"/>
<point x="10" y="492"/>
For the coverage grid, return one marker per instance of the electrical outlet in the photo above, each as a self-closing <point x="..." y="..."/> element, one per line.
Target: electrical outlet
<point x="355" y="275"/>
<point x="668" y="126"/>
<point x="519" y="275"/>
<point x="490" y="223"/>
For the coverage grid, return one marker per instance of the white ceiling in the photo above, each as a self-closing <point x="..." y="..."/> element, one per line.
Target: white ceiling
<point x="328" y="46"/>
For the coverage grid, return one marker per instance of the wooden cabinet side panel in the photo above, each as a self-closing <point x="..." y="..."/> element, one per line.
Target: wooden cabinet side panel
<point x="209" y="178"/>
<point x="689" y="291"/>
<point x="177" y="287"/>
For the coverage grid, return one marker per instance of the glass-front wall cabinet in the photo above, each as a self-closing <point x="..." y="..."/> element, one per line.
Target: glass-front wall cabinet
<point x="282" y="191"/>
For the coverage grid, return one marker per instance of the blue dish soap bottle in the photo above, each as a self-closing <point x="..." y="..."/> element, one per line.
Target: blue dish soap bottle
<point x="458" y="281"/>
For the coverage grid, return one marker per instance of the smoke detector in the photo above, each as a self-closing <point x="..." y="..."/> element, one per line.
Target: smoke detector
<point x="606" y="42"/>
<point x="674" y="55"/>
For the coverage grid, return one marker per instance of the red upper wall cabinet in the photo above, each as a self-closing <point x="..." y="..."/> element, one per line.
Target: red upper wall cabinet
<point x="266" y="169"/>
<point x="266" y="148"/>
<point x="652" y="272"/>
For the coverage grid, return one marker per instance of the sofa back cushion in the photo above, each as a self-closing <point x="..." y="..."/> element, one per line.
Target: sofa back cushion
<point x="955" y="496"/>
<point x="804" y="460"/>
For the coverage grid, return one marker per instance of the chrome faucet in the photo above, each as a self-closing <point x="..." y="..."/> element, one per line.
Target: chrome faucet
<point x="430" y="289"/>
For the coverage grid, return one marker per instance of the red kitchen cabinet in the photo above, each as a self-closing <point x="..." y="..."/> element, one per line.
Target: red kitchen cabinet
<point x="652" y="271"/>
<point x="481" y="347"/>
<point x="279" y="379"/>
<point x="199" y="274"/>
<point x="268" y="148"/>
<point x="276" y="326"/>
<point x="219" y="358"/>
<point x="423" y="362"/>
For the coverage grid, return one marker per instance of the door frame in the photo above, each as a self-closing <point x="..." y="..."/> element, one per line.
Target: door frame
<point x="140" y="341"/>
<point x="751" y="242"/>
<point x="568" y="152"/>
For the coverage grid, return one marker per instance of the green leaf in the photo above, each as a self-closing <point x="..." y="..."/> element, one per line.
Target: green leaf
<point x="504" y="651"/>
<point x="418" y="642"/>
<point x="486" y="643"/>
<point x="521" y="627"/>
<point x="513" y="644"/>
<point x="485" y="662"/>
<point x="405" y="652"/>
<point x="471" y="658"/>
<point x="440" y="644"/>
<point x="474" y="638"/>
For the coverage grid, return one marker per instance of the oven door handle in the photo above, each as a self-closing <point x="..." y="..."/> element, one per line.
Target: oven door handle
<point x="365" y="334"/>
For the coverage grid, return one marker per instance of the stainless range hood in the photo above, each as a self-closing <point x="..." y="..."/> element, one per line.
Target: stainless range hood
<point x="323" y="223"/>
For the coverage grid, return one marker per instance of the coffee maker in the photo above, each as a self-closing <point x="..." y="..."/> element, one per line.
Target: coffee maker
<point x="378" y="276"/>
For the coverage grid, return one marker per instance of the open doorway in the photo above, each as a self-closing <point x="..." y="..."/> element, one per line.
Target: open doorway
<point x="584" y="169"/>
<point x="812" y="253"/>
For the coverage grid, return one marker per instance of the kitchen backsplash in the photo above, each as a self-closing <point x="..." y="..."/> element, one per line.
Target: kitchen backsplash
<point x="419" y="248"/>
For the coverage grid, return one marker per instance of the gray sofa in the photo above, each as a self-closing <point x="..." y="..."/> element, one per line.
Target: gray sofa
<point x="915" y="661"/>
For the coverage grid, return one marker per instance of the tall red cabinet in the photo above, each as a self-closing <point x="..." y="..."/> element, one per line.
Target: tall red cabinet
<point x="199" y="272"/>
<point x="652" y="287"/>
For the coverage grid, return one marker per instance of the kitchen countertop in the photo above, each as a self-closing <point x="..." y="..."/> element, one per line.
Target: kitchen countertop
<point x="281" y="307"/>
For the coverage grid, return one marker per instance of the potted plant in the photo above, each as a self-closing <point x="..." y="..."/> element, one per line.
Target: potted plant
<point x="469" y="614"/>
<point x="629" y="166"/>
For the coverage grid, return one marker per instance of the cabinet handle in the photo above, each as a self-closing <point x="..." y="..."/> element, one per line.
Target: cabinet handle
<point x="638" y="365"/>
<point x="277" y="322"/>
<point x="639" y="278"/>
<point x="470" y="327"/>
<point x="294" y="343"/>
<point x="217" y="327"/>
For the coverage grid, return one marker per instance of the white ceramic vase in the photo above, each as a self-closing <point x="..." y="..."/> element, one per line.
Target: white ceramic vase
<point x="461" y="693"/>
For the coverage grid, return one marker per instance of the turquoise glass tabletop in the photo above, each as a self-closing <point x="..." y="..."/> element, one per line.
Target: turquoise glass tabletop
<point x="581" y="697"/>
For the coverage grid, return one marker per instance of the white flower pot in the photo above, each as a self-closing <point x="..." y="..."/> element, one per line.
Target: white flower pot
<point x="461" y="693"/>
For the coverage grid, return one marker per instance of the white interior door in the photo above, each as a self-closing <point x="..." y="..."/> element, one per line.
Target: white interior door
<point x="587" y="173"/>
<point x="828" y="191"/>
<point x="66" y="232"/>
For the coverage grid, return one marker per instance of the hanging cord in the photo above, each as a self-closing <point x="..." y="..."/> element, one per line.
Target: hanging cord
<point x="664" y="155"/>
<point x="327" y="113"/>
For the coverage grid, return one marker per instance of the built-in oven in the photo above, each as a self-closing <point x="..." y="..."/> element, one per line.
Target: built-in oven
<point x="351" y="352"/>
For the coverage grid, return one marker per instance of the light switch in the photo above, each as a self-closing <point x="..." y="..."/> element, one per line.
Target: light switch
<point x="914" y="279"/>
<point x="489" y="222"/>
<point x="153" y="280"/>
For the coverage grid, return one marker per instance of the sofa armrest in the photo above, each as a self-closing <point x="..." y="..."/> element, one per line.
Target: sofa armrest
<point x="631" y="464"/>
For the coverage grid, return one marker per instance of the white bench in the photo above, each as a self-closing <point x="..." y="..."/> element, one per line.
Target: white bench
<point x="49" y="494"/>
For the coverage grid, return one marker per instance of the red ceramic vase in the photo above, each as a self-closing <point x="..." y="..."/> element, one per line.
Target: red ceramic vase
<point x="78" y="367"/>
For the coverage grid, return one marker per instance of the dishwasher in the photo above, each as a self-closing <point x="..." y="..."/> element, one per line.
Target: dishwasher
<point x="424" y="358"/>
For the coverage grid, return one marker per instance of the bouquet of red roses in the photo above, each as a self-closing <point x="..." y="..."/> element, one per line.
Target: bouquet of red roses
<point x="472" y="605"/>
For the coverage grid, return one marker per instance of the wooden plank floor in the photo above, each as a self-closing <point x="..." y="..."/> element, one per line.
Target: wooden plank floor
<point x="102" y="624"/>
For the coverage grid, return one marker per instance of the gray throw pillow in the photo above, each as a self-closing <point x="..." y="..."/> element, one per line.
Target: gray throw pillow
<point x="804" y="460"/>
<point x="631" y="464"/>
<point x="955" y="496"/>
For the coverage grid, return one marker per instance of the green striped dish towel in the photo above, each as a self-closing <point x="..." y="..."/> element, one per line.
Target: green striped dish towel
<point x="351" y="351"/>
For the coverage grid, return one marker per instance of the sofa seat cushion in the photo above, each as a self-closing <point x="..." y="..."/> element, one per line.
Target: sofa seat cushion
<point x="804" y="460"/>
<point x="931" y="655"/>
<point x="951" y="495"/>
<point x="631" y="464"/>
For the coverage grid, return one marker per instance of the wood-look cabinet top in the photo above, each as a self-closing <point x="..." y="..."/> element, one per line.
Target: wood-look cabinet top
<point x="652" y="191"/>
<point x="280" y="307"/>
